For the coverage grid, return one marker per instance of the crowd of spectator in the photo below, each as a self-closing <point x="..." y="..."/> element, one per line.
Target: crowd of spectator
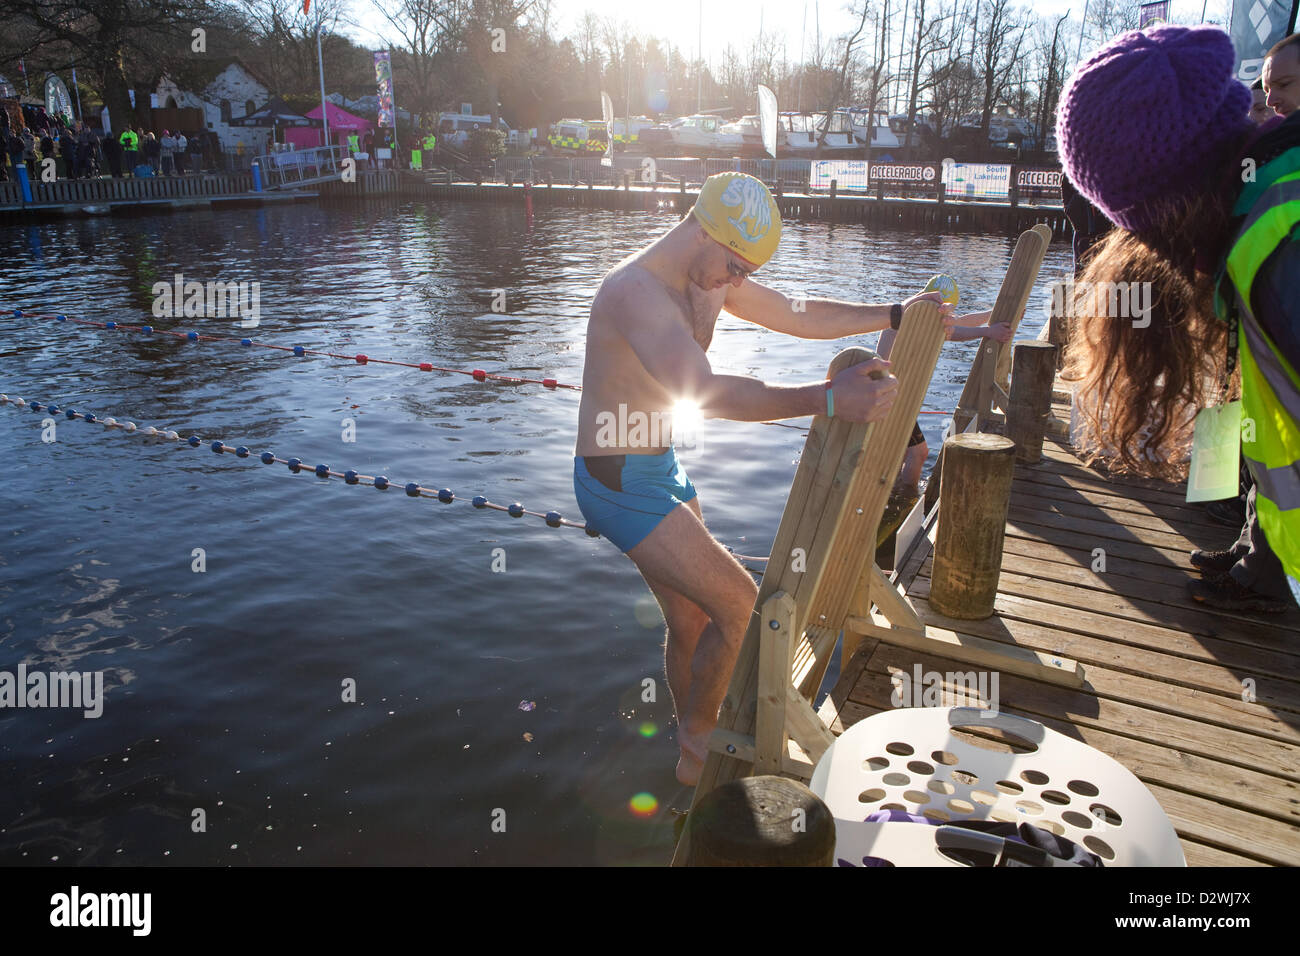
<point x="81" y="151"/>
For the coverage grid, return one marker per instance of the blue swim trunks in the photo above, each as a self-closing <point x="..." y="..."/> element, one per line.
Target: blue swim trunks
<point x="632" y="494"/>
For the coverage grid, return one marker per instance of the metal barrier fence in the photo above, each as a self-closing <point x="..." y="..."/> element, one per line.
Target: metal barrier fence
<point x="793" y="173"/>
<point x="294" y="166"/>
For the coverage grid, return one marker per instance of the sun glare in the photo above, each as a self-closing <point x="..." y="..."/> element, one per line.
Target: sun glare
<point x="687" y="420"/>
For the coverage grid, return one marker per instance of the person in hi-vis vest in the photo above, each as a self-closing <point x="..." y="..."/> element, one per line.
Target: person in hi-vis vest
<point x="130" y="141"/>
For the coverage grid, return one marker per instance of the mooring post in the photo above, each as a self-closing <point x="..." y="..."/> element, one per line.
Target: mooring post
<point x="973" y="502"/>
<point x="940" y="191"/>
<point x="834" y="187"/>
<point x="1033" y="368"/>
<point x="1058" y="319"/>
<point x="760" y="821"/>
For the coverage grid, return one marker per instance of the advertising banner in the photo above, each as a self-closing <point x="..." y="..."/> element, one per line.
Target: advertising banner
<point x="1256" y="25"/>
<point x="915" y="174"/>
<point x="978" y="180"/>
<point x="384" y="80"/>
<point x="850" y="175"/>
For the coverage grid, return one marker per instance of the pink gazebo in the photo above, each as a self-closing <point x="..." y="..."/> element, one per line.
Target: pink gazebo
<point x="342" y="125"/>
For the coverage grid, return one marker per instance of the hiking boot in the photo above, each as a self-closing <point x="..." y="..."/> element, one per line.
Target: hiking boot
<point x="1223" y="592"/>
<point x="1215" y="562"/>
<point x="1231" y="512"/>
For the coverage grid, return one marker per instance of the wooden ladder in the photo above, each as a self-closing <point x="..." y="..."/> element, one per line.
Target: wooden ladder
<point x="821" y="577"/>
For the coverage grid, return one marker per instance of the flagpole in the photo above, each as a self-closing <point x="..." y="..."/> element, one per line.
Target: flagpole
<point x="76" y="92"/>
<point x="320" y="62"/>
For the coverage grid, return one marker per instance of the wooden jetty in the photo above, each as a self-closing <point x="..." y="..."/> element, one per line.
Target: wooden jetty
<point x="1092" y="633"/>
<point x="107" y="196"/>
<point x="931" y="215"/>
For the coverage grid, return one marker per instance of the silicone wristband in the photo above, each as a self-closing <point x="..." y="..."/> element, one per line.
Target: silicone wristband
<point x="830" y="401"/>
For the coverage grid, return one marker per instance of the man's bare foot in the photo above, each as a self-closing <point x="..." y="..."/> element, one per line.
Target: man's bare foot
<point x="691" y="764"/>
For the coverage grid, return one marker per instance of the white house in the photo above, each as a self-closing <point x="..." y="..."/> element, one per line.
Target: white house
<point x="233" y="93"/>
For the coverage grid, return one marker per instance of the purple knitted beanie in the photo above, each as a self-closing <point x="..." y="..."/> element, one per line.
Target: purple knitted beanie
<point x="1149" y="117"/>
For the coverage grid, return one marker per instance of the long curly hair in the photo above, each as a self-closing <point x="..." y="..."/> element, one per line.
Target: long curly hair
<point x="1140" y="385"/>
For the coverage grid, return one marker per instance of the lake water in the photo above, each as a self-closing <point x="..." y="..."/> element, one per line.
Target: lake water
<point x="498" y="714"/>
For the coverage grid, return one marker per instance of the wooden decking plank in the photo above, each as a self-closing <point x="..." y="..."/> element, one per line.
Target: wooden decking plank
<point x="1062" y="461"/>
<point x="1198" y="854"/>
<point x="1105" y="530"/>
<point x="1054" y="474"/>
<point x="1024" y="527"/>
<point x="1029" y="483"/>
<point x="1076" y="607"/>
<point x="1025" y="496"/>
<point x="1183" y="719"/>
<point x="1212" y="676"/>
<point x="1229" y="828"/>
<point x="1059" y="552"/>
<point x="1167" y="600"/>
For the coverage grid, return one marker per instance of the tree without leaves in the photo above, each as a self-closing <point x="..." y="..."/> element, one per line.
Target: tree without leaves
<point x="106" y="39"/>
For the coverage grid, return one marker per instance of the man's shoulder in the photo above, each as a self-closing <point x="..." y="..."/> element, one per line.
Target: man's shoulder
<point x="629" y="290"/>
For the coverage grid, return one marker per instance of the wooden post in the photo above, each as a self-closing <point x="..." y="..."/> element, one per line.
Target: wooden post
<point x="1032" y="372"/>
<point x="834" y="187"/>
<point x="973" y="502"/>
<point x="1058" y="321"/>
<point x="760" y="821"/>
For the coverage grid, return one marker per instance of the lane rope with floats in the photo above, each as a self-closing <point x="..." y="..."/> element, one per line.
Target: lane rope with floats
<point x="412" y="489"/>
<point x="360" y="358"/>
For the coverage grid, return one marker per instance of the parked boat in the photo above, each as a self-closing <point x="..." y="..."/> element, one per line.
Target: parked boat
<point x="744" y="137"/>
<point x="801" y="135"/>
<point x="872" y="130"/>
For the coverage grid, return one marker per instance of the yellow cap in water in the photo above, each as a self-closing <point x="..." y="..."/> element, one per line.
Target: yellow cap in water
<point x="738" y="211"/>
<point x="946" y="286"/>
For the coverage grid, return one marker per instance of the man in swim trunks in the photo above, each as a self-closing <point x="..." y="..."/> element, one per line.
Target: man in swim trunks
<point x="651" y="322"/>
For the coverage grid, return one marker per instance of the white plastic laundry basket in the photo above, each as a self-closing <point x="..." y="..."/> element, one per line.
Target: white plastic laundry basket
<point x="910" y="759"/>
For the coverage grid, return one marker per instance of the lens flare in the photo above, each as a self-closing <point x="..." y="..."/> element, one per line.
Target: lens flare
<point x="643" y="805"/>
<point x="648" y="729"/>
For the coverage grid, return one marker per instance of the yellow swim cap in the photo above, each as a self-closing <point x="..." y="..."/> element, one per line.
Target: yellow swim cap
<point x="946" y="286"/>
<point x="738" y="211"/>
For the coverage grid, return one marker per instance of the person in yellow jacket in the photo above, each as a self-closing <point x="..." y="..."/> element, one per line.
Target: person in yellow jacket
<point x="1207" y="215"/>
<point x="130" y="141"/>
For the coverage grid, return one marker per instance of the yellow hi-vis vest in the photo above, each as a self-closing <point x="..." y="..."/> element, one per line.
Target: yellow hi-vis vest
<point x="1270" y="387"/>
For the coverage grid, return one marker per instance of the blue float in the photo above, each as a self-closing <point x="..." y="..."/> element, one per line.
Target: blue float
<point x="295" y="465"/>
<point x="322" y="471"/>
<point x="381" y="482"/>
<point x="413" y="489"/>
<point x="516" y="510"/>
<point x="445" y="496"/>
